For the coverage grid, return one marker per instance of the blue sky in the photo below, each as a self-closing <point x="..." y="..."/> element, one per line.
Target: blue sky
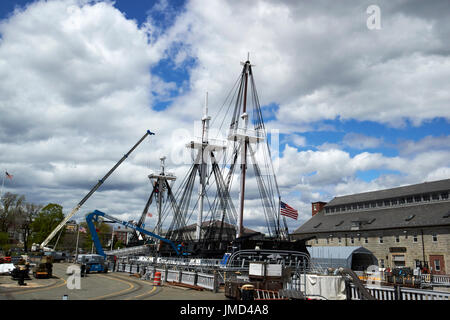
<point x="357" y="109"/>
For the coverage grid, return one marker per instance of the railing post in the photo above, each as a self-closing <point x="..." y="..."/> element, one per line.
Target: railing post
<point x="348" y="289"/>
<point x="216" y="282"/>
<point x="397" y="292"/>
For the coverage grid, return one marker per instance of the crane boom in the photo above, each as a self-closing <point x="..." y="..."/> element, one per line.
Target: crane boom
<point x="93" y="216"/>
<point x="87" y="196"/>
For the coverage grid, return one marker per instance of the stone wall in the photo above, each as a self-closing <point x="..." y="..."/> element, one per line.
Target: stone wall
<point x="395" y="244"/>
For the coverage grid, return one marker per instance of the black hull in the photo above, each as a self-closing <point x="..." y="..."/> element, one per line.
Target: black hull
<point x="217" y="249"/>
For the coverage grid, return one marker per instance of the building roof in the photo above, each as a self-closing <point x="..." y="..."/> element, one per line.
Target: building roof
<point x="407" y="215"/>
<point x="411" y="190"/>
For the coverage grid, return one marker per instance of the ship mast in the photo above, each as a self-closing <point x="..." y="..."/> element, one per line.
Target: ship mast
<point x="247" y="142"/>
<point x="244" y="117"/>
<point x="160" y="181"/>
<point x="202" y="168"/>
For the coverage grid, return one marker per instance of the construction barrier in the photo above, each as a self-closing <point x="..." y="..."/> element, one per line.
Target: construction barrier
<point x="157" y="279"/>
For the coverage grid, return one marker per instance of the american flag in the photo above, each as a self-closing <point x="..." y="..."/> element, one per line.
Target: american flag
<point x="82" y="229"/>
<point x="149" y="215"/>
<point x="9" y="176"/>
<point x="288" y="211"/>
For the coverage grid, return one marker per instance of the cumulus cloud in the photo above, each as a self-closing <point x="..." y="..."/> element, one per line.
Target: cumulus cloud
<point x="80" y="92"/>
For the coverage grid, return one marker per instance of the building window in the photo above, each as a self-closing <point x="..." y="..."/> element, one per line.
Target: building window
<point x="352" y="239"/>
<point x="415" y="238"/>
<point x="327" y="210"/>
<point x="426" y="197"/>
<point x="366" y="240"/>
<point x="437" y="265"/>
<point x="394" y="202"/>
<point x="354" y="207"/>
<point x="360" y="206"/>
<point x="444" y="196"/>
<point x="434" y="237"/>
<point x="401" y="201"/>
<point x="367" y="205"/>
<point x="317" y="241"/>
<point x="387" y="203"/>
<point x="381" y="263"/>
<point x="417" y="198"/>
<point x="339" y="240"/>
<point x="379" y="203"/>
<point x="380" y="239"/>
<point x="397" y="239"/>
<point x="373" y="204"/>
<point x="435" y="196"/>
<point x="398" y="260"/>
<point x="343" y="208"/>
<point x="409" y="199"/>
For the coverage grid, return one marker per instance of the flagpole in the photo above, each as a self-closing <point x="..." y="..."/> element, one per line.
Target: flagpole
<point x="1" y="191"/>
<point x="76" y="247"/>
<point x="112" y="238"/>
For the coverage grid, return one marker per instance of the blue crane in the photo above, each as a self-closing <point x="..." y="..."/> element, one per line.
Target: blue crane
<point x="93" y="217"/>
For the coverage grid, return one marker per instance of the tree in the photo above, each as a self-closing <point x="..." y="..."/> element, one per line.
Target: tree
<point x="11" y="205"/>
<point x="46" y="221"/>
<point x="24" y="219"/>
<point x="4" y="239"/>
<point x="104" y="234"/>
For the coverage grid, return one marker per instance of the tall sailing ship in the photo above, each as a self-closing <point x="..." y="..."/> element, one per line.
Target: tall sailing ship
<point x="207" y="223"/>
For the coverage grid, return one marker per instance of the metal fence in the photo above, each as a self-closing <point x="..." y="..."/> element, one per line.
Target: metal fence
<point x="208" y="281"/>
<point x="399" y="293"/>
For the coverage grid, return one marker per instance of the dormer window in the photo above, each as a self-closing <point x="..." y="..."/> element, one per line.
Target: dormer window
<point x="341" y="222"/>
<point x="355" y="225"/>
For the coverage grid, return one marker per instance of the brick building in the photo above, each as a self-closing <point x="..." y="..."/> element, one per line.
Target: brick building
<point x="402" y="226"/>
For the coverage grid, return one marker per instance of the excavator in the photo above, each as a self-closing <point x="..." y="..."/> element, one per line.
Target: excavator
<point x="43" y="246"/>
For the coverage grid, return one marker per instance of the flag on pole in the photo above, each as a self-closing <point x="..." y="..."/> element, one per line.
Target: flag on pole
<point x="82" y="229"/>
<point x="149" y="215"/>
<point x="288" y="211"/>
<point x="9" y="176"/>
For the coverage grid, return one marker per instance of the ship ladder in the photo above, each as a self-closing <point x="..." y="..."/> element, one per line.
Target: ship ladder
<point x="261" y="294"/>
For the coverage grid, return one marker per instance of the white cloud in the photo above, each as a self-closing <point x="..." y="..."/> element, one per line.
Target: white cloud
<point x="79" y="89"/>
<point x="360" y="141"/>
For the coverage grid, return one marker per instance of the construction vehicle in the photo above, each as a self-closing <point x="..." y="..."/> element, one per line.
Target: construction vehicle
<point x="42" y="246"/>
<point x="93" y="217"/>
<point x="92" y="263"/>
<point x="43" y="269"/>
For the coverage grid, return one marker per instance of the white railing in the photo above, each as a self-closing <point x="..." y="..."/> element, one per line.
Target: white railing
<point x="436" y="278"/>
<point x="400" y="293"/>
<point x="207" y="281"/>
<point x="188" y="277"/>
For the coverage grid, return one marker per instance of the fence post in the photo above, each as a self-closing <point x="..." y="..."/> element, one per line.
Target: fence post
<point x="348" y="289"/>
<point x="397" y="292"/>
<point x="216" y="282"/>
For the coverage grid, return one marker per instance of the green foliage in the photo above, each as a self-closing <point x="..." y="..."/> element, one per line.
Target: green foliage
<point x="46" y="221"/>
<point x="3" y="239"/>
<point x="104" y="234"/>
<point x="119" y="244"/>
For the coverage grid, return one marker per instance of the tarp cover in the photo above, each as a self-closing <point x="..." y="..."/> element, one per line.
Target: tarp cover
<point x="327" y="287"/>
<point x="6" y="267"/>
<point x="336" y="257"/>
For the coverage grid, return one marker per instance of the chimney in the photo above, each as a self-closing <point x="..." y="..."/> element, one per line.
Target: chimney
<point x="317" y="206"/>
